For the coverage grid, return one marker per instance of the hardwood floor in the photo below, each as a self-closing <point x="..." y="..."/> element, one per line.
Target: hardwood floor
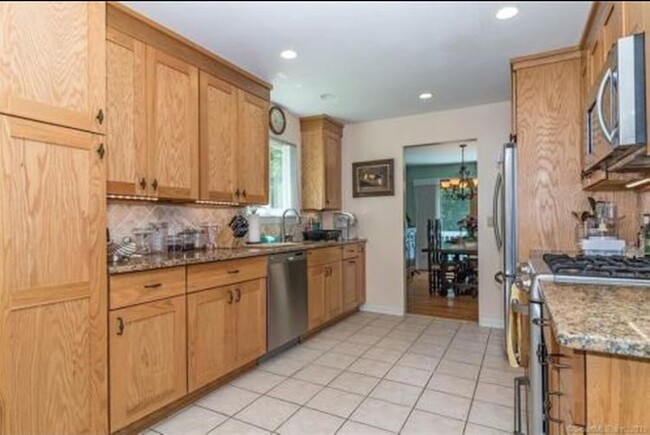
<point x="421" y="302"/>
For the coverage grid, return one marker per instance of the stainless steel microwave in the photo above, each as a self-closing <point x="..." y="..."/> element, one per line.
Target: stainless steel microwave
<point x="616" y="114"/>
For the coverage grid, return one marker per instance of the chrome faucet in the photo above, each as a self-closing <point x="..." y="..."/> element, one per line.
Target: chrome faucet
<point x="349" y="220"/>
<point x="284" y="236"/>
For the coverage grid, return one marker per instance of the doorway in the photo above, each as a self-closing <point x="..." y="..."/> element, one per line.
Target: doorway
<point x="440" y="236"/>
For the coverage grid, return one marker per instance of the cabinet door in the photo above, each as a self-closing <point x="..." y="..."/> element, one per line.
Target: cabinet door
<point x="53" y="62"/>
<point x="210" y="335"/>
<point x="172" y="126"/>
<point x="253" y="150"/>
<point x="53" y="297"/>
<point x="316" y="295"/>
<point x="334" y="290"/>
<point x="635" y="15"/>
<point x="218" y="124"/>
<point x="332" y="171"/>
<point x="350" y="281"/>
<point x="147" y="359"/>
<point x="613" y="26"/>
<point x="125" y="115"/>
<point x="250" y="320"/>
<point x="361" y="276"/>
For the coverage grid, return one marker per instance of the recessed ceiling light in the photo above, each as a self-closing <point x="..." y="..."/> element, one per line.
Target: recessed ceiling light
<point x="507" y="12"/>
<point x="426" y="96"/>
<point x="328" y="97"/>
<point x="288" y="54"/>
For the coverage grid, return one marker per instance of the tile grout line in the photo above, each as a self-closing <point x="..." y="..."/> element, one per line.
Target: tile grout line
<point x="413" y="408"/>
<point x="478" y="377"/>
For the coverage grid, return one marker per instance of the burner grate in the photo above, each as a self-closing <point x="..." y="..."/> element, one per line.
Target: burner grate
<point x="599" y="266"/>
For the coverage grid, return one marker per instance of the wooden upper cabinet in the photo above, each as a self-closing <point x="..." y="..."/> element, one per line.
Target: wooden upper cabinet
<point x="53" y="297"/>
<point x="332" y="171"/>
<point x="218" y="124"/>
<point x="612" y="26"/>
<point x="321" y="163"/>
<point x="125" y="115"/>
<point x="147" y="359"/>
<point x="250" y="320"/>
<point x="53" y="62"/>
<point x="635" y="17"/>
<point x="210" y="332"/>
<point x="253" y="150"/>
<point x="172" y="125"/>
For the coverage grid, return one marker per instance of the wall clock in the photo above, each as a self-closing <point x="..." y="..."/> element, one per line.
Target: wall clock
<point x="277" y="120"/>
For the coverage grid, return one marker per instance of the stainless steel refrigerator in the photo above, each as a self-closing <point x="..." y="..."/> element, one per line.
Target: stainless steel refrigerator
<point x="504" y="215"/>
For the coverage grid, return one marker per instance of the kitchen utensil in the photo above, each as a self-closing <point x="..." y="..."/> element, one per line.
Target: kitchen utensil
<point x="239" y="226"/>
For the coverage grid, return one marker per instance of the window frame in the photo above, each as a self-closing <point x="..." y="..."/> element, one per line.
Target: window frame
<point x="267" y="210"/>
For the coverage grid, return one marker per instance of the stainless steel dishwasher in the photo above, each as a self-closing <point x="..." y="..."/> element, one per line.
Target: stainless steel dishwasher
<point x="286" y="299"/>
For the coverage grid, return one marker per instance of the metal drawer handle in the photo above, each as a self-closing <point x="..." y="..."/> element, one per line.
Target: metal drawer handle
<point x="555" y="420"/>
<point x="120" y="326"/>
<point x="233" y="271"/>
<point x="230" y="297"/>
<point x="156" y="285"/>
<point x="143" y="183"/>
<point x="238" y="298"/>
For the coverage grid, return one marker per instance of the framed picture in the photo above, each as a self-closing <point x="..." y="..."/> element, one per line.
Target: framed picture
<point x="374" y="178"/>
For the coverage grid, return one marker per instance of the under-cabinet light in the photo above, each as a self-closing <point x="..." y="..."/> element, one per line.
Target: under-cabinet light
<point x="637" y="183"/>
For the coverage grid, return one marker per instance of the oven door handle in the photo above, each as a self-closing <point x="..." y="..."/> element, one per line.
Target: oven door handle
<point x="608" y="77"/>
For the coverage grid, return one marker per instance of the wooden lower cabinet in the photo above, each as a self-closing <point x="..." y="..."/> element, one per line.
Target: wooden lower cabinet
<point x="593" y="392"/>
<point x="210" y="331"/>
<point x="350" y="283"/>
<point x="316" y="295"/>
<point x="361" y="275"/>
<point x="226" y="330"/>
<point x="250" y="321"/>
<point x="147" y="358"/>
<point x="334" y="290"/>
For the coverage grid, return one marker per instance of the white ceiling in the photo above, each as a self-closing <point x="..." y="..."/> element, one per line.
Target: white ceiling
<point x="439" y="154"/>
<point x="375" y="57"/>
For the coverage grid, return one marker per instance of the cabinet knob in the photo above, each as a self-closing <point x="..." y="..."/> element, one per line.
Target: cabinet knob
<point x="154" y="185"/>
<point x="100" y="116"/>
<point x="231" y="297"/>
<point x="243" y="193"/>
<point x="143" y="183"/>
<point x="238" y="298"/>
<point x="101" y="151"/>
<point x="237" y="193"/>
<point x="120" y="326"/>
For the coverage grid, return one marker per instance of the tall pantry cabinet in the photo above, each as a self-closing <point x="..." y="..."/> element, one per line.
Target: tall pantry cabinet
<point x="53" y="352"/>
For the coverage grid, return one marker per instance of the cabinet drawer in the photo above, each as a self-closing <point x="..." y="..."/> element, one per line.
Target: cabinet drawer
<point x="205" y="276"/>
<point x="138" y="287"/>
<point x="316" y="257"/>
<point x="350" y="251"/>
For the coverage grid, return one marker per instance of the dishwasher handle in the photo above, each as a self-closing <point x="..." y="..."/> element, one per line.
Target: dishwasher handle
<point x="291" y="257"/>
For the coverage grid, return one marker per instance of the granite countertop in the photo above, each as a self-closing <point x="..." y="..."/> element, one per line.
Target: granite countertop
<point x="601" y="318"/>
<point x="159" y="261"/>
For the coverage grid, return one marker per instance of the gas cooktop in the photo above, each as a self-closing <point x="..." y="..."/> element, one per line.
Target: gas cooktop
<point x="598" y="266"/>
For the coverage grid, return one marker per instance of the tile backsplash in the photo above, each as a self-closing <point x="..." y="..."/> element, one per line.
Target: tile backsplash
<point x="124" y="217"/>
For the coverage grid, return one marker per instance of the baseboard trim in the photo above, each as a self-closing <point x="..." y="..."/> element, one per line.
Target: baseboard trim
<point x="491" y="323"/>
<point x="381" y="309"/>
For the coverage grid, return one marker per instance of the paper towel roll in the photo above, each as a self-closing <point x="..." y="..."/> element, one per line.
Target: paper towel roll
<point x="254" y="228"/>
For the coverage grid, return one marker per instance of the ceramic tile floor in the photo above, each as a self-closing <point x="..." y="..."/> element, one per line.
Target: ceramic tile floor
<point x="368" y="374"/>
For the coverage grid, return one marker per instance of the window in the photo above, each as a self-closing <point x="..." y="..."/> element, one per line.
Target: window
<point x="451" y="211"/>
<point x="283" y="174"/>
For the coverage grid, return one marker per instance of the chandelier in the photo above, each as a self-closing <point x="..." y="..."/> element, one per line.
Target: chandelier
<point x="464" y="187"/>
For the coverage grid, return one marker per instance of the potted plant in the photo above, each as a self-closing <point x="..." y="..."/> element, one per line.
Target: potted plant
<point x="469" y="225"/>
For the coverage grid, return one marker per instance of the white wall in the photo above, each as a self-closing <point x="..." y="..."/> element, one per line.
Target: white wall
<point x="381" y="218"/>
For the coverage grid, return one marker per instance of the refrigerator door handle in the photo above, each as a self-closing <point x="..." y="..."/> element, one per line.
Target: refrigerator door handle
<point x="496" y="221"/>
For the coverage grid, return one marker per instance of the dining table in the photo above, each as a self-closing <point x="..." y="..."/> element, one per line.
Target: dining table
<point x="450" y="254"/>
